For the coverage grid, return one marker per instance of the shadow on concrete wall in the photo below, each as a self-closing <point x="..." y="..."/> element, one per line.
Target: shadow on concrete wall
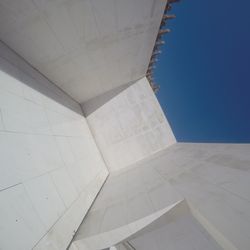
<point x="14" y="65"/>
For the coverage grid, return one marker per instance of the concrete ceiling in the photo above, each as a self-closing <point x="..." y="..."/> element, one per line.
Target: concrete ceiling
<point x="86" y="47"/>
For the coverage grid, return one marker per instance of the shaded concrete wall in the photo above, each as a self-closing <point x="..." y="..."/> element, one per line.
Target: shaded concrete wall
<point x="175" y="230"/>
<point x="212" y="178"/>
<point x="131" y="126"/>
<point x="50" y="168"/>
<point x="96" y="102"/>
<point x="86" y="47"/>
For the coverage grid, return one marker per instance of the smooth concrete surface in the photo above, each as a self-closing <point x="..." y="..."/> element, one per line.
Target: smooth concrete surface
<point x="128" y="202"/>
<point x="51" y="169"/>
<point x="86" y="47"/>
<point x="93" y="104"/>
<point x="111" y="237"/>
<point x="176" y="229"/>
<point x="131" y="126"/>
<point x="54" y="162"/>
<point x="212" y="178"/>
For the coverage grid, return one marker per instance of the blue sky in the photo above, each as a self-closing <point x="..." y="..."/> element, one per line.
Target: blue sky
<point x="204" y="71"/>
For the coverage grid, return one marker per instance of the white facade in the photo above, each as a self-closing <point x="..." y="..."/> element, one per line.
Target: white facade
<point x="140" y="204"/>
<point x="115" y="178"/>
<point x="130" y="127"/>
<point x="46" y="149"/>
<point x="86" y="47"/>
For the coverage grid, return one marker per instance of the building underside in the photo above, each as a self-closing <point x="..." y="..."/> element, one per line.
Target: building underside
<point x="88" y="159"/>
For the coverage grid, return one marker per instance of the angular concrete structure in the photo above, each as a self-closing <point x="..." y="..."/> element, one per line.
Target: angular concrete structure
<point x="88" y="159"/>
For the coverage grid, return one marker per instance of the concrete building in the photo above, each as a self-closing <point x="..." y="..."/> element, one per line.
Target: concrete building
<point x="88" y="160"/>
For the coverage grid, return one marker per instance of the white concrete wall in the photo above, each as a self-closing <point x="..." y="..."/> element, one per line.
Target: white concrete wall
<point x="212" y="178"/>
<point x="50" y="166"/>
<point x="175" y="230"/>
<point x="86" y="47"/>
<point x="130" y="127"/>
<point x="93" y="104"/>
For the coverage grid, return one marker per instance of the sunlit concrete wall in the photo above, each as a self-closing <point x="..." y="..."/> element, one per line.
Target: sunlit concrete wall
<point x="213" y="180"/>
<point x="50" y="166"/>
<point x="130" y="126"/>
<point x="175" y="230"/>
<point x="86" y="47"/>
